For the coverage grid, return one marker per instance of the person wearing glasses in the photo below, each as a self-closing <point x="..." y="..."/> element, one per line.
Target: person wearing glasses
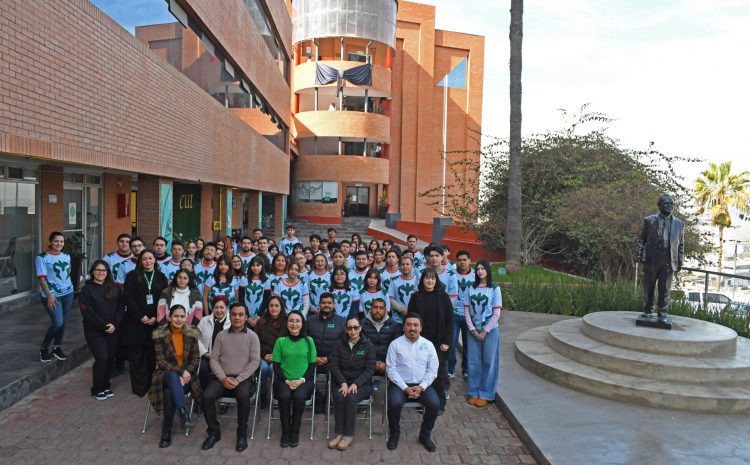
<point x="102" y="308"/>
<point x="352" y="364"/>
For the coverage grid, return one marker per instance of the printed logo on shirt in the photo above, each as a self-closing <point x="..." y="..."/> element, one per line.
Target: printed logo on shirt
<point x="331" y="325"/>
<point x="360" y="352"/>
<point x="422" y="346"/>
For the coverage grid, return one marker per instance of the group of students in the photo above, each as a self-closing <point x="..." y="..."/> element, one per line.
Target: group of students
<point x="209" y="316"/>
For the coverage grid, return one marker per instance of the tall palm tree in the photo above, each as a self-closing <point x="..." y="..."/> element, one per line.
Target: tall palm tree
<point x="513" y="221"/>
<point x="719" y="192"/>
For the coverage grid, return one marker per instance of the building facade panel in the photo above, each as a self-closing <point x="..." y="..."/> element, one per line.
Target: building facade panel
<point x="282" y="22"/>
<point x="342" y="168"/>
<point x="351" y="124"/>
<point x="304" y="78"/>
<point x="370" y="19"/>
<point x="141" y="116"/>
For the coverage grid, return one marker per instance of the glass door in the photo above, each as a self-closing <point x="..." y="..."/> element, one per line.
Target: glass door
<point x="357" y="201"/>
<point x="73" y="231"/>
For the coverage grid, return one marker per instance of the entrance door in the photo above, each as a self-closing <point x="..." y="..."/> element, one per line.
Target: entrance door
<point x="82" y="228"/>
<point x="357" y="201"/>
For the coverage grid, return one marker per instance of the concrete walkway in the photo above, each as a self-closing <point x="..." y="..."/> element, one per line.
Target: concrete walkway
<point x="379" y="226"/>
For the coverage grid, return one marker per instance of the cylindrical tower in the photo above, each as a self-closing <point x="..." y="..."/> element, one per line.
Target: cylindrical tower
<point x="341" y="128"/>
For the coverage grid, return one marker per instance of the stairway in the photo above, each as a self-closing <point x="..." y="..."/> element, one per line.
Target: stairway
<point x="696" y="366"/>
<point x="344" y="230"/>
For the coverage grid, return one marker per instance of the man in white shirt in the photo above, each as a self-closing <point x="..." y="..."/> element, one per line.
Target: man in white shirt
<point x="412" y="366"/>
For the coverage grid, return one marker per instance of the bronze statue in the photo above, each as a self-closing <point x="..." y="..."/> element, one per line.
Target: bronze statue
<point x="661" y="248"/>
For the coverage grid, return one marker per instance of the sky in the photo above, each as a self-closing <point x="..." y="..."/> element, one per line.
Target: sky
<point x="672" y="72"/>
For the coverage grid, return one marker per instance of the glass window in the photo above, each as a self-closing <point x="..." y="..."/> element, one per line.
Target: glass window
<point x="269" y="37"/>
<point x="17" y="237"/>
<point x="325" y="192"/>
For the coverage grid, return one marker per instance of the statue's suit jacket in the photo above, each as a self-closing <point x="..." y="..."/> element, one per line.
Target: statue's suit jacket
<point x="647" y="248"/>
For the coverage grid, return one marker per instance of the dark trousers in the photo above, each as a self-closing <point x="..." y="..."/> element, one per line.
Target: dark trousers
<point x="241" y="393"/>
<point x="204" y="373"/>
<point x="396" y="400"/>
<point x="459" y="326"/>
<point x="103" y="347"/>
<point x="291" y="405"/>
<point x="442" y="383"/>
<point x="658" y="276"/>
<point x="345" y="408"/>
<point x="174" y="394"/>
<point x="142" y="364"/>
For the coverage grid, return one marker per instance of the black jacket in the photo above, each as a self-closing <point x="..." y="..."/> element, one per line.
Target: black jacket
<point x="352" y="365"/>
<point x="134" y="332"/>
<point x="436" y="310"/>
<point x="325" y="333"/>
<point x="97" y="310"/>
<point x="381" y="339"/>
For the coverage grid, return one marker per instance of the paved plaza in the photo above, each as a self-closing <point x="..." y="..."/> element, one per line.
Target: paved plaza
<point x="62" y="424"/>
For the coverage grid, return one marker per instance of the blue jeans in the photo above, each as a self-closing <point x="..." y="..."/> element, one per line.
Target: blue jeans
<point x="459" y="325"/>
<point x="484" y="365"/>
<point x="396" y="400"/>
<point x="58" y="317"/>
<point x="265" y="373"/>
<point x="174" y="394"/>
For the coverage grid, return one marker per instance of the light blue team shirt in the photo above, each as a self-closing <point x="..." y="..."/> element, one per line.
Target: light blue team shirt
<point x="365" y="301"/>
<point x="273" y="280"/>
<point x="56" y="269"/>
<point x="286" y="245"/>
<point x="386" y="277"/>
<point x="350" y="262"/>
<point x="203" y="272"/>
<point x="401" y="290"/>
<point x="125" y="267"/>
<point x="246" y="261"/>
<point x="357" y="279"/>
<point x="292" y="295"/>
<point x="419" y="261"/>
<point x="254" y="289"/>
<point x="225" y="288"/>
<point x="464" y="281"/>
<point x="115" y="261"/>
<point x="448" y="278"/>
<point x="317" y="284"/>
<point x="169" y="268"/>
<point x="482" y="303"/>
<point x="343" y="300"/>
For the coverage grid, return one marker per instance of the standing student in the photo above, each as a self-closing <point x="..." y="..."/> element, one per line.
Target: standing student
<point x="102" y="308"/>
<point x="373" y="290"/>
<point x="338" y="259"/>
<point x="315" y="244"/>
<point x="464" y="279"/>
<point x="256" y="289"/>
<point x="301" y="260"/>
<point x="436" y="309"/>
<point x="184" y="292"/>
<point x="142" y="289"/>
<point x="318" y="281"/>
<point x="293" y="290"/>
<point x="160" y="251"/>
<point x="199" y="245"/>
<point x="286" y="244"/>
<point x="136" y="247"/>
<point x="357" y="274"/>
<point x="402" y="288"/>
<point x="378" y="259"/>
<point x="332" y="244"/>
<point x="373" y="246"/>
<point x="170" y="266"/>
<point x="246" y="251"/>
<point x="391" y="269"/>
<point x="191" y="251"/>
<point x="345" y="299"/>
<point x="122" y="254"/>
<point x="205" y="268"/>
<point x="482" y="304"/>
<point x="278" y="270"/>
<point x="53" y="272"/>
<point x="411" y="244"/>
<point x="221" y="283"/>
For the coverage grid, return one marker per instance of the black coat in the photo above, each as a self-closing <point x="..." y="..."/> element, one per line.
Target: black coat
<point x="97" y="310"/>
<point x="325" y="333"/>
<point x="647" y="248"/>
<point x="382" y="339"/>
<point x="134" y="332"/>
<point x="352" y="365"/>
<point x="436" y="310"/>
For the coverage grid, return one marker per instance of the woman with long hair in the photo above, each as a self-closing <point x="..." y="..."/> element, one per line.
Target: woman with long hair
<point x="278" y="269"/>
<point x="182" y="290"/>
<point x="191" y="251"/>
<point x="199" y="243"/>
<point x="293" y="290"/>
<point x="177" y="358"/>
<point x="102" y="308"/>
<point x="338" y="259"/>
<point x="373" y="246"/>
<point x="482" y="304"/>
<point x="255" y="290"/>
<point x="53" y="272"/>
<point x="436" y="309"/>
<point x="301" y="260"/>
<point x="294" y="359"/>
<point x="220" y="283"/>
<point x="372" y="290"/>
<point x="142" y="289"/>
<point x="356" y="240"/>
<point x="345" y="299"/>
<point x="269" y="328"/>
<point x="318" y="281"/>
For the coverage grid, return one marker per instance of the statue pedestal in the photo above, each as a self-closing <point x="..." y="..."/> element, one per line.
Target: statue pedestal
<point x="653" y="322"/>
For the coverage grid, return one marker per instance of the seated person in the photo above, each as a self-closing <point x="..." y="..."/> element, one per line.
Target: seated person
<point x="269" y="328"/>
<point x="380" y="329"/>
<point x="209" y="328"/>
<point x="412" y="367"/>
<point x="325" y="328"/>
<point x="293" y="368"/>
<point x="352" y="364"/>
<point x="235" y="357"/>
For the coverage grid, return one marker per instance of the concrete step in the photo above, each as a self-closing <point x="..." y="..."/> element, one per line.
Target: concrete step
<point x="688" y="337"/>
<point x="533" y="353"/>
<point x="567" y="339"/>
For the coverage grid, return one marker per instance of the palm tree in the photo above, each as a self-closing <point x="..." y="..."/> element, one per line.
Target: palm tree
<point x="718" y="192"/>
<point x="513" y="221"/>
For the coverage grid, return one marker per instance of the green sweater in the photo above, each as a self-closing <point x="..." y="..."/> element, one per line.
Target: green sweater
<point x="294" y="357"/>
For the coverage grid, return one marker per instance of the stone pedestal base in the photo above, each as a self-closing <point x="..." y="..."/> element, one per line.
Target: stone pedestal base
<point x="653" y="322"/>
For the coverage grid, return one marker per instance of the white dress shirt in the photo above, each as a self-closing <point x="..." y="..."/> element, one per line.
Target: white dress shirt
<point x="410" y="362"/>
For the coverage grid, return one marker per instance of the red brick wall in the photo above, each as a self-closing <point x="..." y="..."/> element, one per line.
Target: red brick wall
<point x="207" y="212"/>
<point x="148" y="209"/>
<point x="76" y="87"/>
<point x="51" y="183"/>
<point x="113" y="226"/>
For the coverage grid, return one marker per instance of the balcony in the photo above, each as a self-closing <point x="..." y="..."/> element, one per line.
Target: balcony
<point x="304" y="79"/>
<point x="342" y="168"/>
<point x="347" y="124"/>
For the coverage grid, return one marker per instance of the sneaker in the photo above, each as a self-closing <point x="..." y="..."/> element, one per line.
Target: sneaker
<point x="59" y="354"/>
<point x="101" y="396"/>
<point x="45" y="356"/>
<point x="451" y="375"/>
<point x="447" y="395"/>
<point x="109" y="393"/>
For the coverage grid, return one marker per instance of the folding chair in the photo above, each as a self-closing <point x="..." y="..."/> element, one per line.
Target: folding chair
<point x="309" y="403"/>
<point x="254" y="397"/>
<point x="188" y="395"/>
<point x="367" y="417"/>
<point x="416" y="406"/>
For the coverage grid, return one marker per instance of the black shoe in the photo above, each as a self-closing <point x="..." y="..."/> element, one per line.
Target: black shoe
<point x="293" y="439"/>
<point x="263" y="401"/>
<point x="59" y="354"/>
<point x="392" y="443"/>
<point x="184" y="418"/>
<point x="241" y="444"/>
<point x="166" y="435"/>
<point x="428" y="443"/>
<point x="284" y="440"/>
<point x="210" y="441"/>
<point x="45" y="356"/>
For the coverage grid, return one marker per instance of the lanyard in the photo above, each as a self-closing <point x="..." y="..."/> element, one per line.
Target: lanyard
<point x="149" y="281"/>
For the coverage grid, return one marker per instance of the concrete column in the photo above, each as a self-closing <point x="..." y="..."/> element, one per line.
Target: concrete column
<point x="439" y="224"/>
<point x="279" y="217"/>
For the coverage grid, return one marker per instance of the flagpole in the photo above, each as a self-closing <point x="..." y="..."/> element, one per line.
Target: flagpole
<point x="445" y="139"/>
